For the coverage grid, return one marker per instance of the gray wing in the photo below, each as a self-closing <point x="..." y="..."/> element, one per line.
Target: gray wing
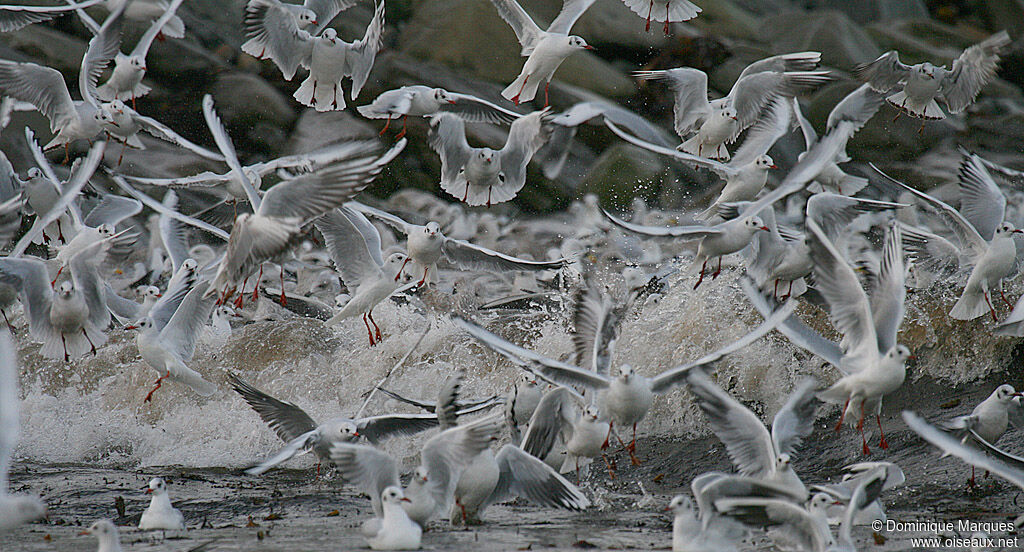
<point x="795" y="420"/>
<point x="181" y="282"/>
<point x="326" y="11"/>
<point x="720" y="169"/>
<point x="11" y="212"/>
<point x="446" y="454"/>
<point x="751" y="94"/>
<point x="84" y="268"/>
<point x="43" y="87"/>
<point x="477" y="110"/>
<point x="173" y="233"/>
<point x="554" y="414"/>
<point x="571" y="11"/>
<point x="447" y="409"/>
<point x="525" y="137"/>
<point x="102" y="49"/>
<point x="141" y="48"/>
<point x="391" y="220"/>
<point x="356" y="255"/>
<point x="772" y="125"/>
<point x="13" y="18"/>
<point x="476" y="257"/>
<point x="308" y="196"/>
<point x="305" y="442"/>
<point x="971" y="71"/>
<point x="806" y="129"/>
<point x="999" y="464"/>
<point x="885" y="73"/>
<point x="124" y="308"/>
<point x="112" y="209"/>
<point x="595" y="326"/>
<point x="553" y="369"/>
<point x="528" y="33"/>
<point x="806" y="532"/>
<point x="227" y="148"/>
<point x="379" y="428"/>
<point x="362" y="53"/>
<point x="687" y="232"/>
<point x="272" y="33"/>
<point x="982" y="203"/>
<point x="665" y="380"/>
<point x="690" y="87"/>
<point x="286" y="419"/>
<point x="164" y="132"/>
<point x="30" y="277"/>
<point x="369" y="469"/>
<point x="529" y="477"/>
<point x="799" y="333"/>
<point x="447" y="137"/>
<point x="183" y="329"/>
<point x="745" y="438"/>
<point x="834" y="212"/>
<point x="890" y="290"/>
<point x="797" y="61"/>
<point x="766" y="248"/>
<point x="859" y="105"/>
<point x="159" y="208"/>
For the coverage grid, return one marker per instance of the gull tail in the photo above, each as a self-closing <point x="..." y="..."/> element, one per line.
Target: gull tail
<point x="904" y="103"/>
<point x="971" y="305"/>
<point x="523" y="87"/>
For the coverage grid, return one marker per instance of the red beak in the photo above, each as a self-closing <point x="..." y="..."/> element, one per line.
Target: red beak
<point x="1018" y="231"/>
<point x="403" y="499"/>
<point x="131" y="327"/>
<point x="912" y="357"/>
<point x="667" y="509"/>
<point x="149" y="491"/>
<point x="589" y="47"/>
<point x="773" y="167"/>
<point x="765" y="228"/>
<point x="84" y="533"/>
<point x="451" y="102"/>
<point x="356" y="434"/>
<point x="734" y="118"/>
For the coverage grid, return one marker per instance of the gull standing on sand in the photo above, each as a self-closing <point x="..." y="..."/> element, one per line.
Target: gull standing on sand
<point x="427" y="244"/>
<point x="917" y="87"/>
<point x="423" y="101"/>
<point x="482" y="176"/>
<point x="354" y="246"/>
<point x="14" y="509"/>
<point x="161" y="514"/>
<point x="544" y="50"/>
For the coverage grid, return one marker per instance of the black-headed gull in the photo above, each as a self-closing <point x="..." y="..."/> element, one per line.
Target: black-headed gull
<point x="663" y="11"/>
<point x="106" y="534"/>
<point x="124" y="124"/>
<point x="145" y="11"/>
<point x="426" y="245"/>
<point x="917" y="87"/>
<point x="544" y="50"/>
<point x="423" y="101"/>
<point x="161" y="514"/>
<point x="857" y="474"/>
<point x="312" y="15"/>
<point x="689" y="534"/>
<point x="558" y="416"/>
<point x="482" y="176"/>
<point x="625" y="396"/>
<point x="44" y="87"/>
<point x="13" y="18"/>
<point x="989" y="419"/>
<point x="354" y="245"/>
<point x="14" y="509"/>
<point x="432" y="488"/>
<point x="993" y="256"/>
<point x="395" y="531"/>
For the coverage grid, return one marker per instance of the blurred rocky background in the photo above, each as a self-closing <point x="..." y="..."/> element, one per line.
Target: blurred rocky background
<point x="463" y="46"/>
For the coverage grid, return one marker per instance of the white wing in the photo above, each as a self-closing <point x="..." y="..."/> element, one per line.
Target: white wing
<point x="355" y="254"/>
<point x="43" y="87"/>
<point x="571" y="11"/>
<point x="183" y="330"/>
<point x="795" y="420"/>
<point x="691" y="95"/>
<point x="520" y="474"/>
<point x="971" y="71"/>
<point x="688" y="232"/>
<point x="772" y="125"/>
<point x="159" y="208"/>
<point x="526" y="30"/>
<point x="13" y="18"/>
<point x="369" y="469"/>
<point x="982" y="203"/>
<point x="799" y="333"/>
<point x="446" y="454"/>
<point x="447" y="137"/>
<point x="362" y="53"/>
<point x="163" y="132"/>
<point x="1000" y="465"/>
<point x="272" y="33"/>
<point x="9" y="401"/>
<point x="141" y="48"/>
<point x="890" y="290"/>
<point x="102" y="49"/>
<point x="227" y="148"/>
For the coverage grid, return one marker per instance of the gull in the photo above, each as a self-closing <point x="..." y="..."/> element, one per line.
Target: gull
<point x="302" y="434"/>
<point x="520" y="403"/>
<point x="710" y="487"/>
<point x="805" y="529"/>
<point x="13" y="18"/>
<point x="146" y="11"/>
<point x="868" y="356"/>
<point x="330" y="60"/>
<point x="395" y="531"/>
<point x="14" y="509"/>
<point x="482" y="176"/>
<point x="12" y="200"/>
<point x="167" y="341"/>
<point x="69" y="320"/>
<point x="125" y="81"/>
<point x="988" y="420"/>
<point x="269" y="233"/>
<point x="690" y="87"/>
<point x="674" y="10"/>
<point x="627" y="396"/>
<point x="160" y="305"/>
<point x="44" y="87"/>
<point x="869" y="485"/>
<point x="747" y="171"/>
<point x="544" y="50"/>
<point x="563" y="127"/>
<point x="860" y="106"/>
<point x="756" y="452"/>
<point x="689" y="535"/>
<point x="427" y="244"/>
<point x="715" y="241"/>
<point x="918" y="86"/>
<point x="423" y="101"/>
<point x="431" y="489"/>
<point x="354" y="246"/>
<point x="583" y="432"/>
<point x="993" y="257"/>
<point x="106" y="533"/>
<point x="857" y="474"/>
<point x="313" y="14"/>
<point x="124" y="124"/>
<point x="160" y="514"/>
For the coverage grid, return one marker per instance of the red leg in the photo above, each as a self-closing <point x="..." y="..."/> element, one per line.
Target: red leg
<point x="1003" y="295"/>
<point x="650" y="10"/>
<point x="424" y="279"/>
<point x="91" y="345"/>
<point x="375" y="326"/>
<point x="65" y="344"/>
<point x="717" y="270"/>
<point x="53" y="283"/>
<point x="990" y="309"/>
<point x="667" y="5"/>
<point x="611" y="467"/>
<point x="284" y="301"/>
<point x="489" y="196"/>
<point x="788" y="291"/>
<point x="546" y="85"/>
<point x="632" y="449"/>
<point x="60" y="233"/>
<point x="9" y="326"/>
<point x="465" y="196"/>
<point x="133" y="102"/>
<point x="882" y="443"/>
<point x="701" y="279"/>
<point x="159" y="382"/>
<point x="970" y="482"/>
<point x="860" y="428"/>
<point x="334" y="101"/>
<point x="405" y="121"/>
<point x="386" y="125"/>
<point x="842" y="415"/>
<point x="399" y="275"/>
<point x="604" y="446"/>
<point x="314" y="94"/>
<point x="515" y="99"/>
<point x="368" y="331"/>
<point x="775" y="289"/>
<point x="255" y="290"/>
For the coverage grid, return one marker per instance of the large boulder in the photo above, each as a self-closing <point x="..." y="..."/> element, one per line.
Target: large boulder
<point x="842" y="42"/>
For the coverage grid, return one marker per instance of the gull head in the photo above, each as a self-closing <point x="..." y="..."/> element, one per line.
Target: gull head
<point x="432" y="229"/>
<point x="485" y="155"/>
<point x="189" y="264"/>
<point x="899" y="353"/>
<point x="149" y="292"/>
<point x="1006" y="393"/>
<point x="344" y="431"/>
<point x="927" y="69"/>
<point x="441" y="96"/>
<point x="1007" y="230"/>
<point x="626" y="372"/>
<point x="103" y="116"/>
<point x="591" y="413"/>
<point x="394" y="263"/>
<point x="819" y="503"/>
<point x="754" y="224"/>
<point x="117" y="106"/>
<point x="765" y="162"/>
<point x="226" y="311"/>
<point x="419" y="475"/>
<point x="105" y="230"/>
<point x="393" y="495"/>
<point x="305" y="17"/>
<point x="681" y="504"/>
<point x="65" y="289"/>
<point x="35" y="172"/>
<point x="330" y="35"/>
<point x="156" y="486"/>
<point x="141" y="325"/>
<point x="782" y="462"/>
<point x="728" y="112"/>
<point x="103" y="529"/>
<point x="528" y="380"/>
<point x="137" y="62"/>
<point x="578" y="43"/>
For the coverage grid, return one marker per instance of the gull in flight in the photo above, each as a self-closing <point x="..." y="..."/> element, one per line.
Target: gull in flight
<point x="423" y="101"/>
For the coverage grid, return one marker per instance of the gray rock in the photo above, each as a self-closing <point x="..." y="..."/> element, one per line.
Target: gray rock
<point x="924" y="40"/>
<point x="841" y="41"/>
<point x="863" y="11"/>
<point x="244" y="98"/>
<point x="49" y="47"/>
<point x="316" y="130"/>
<point x="726" y="18"/>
